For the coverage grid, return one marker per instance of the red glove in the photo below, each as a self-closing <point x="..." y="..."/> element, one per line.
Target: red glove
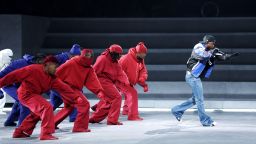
<point x="144" y="85"/>
<point x="100" y="95"/>
<point x="145" y="88"/>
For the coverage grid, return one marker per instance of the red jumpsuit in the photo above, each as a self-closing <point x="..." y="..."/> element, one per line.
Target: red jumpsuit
<point x="35" y="81"/>
<point x="77" y="75"/>
<point x="110" y="74"/>
<point x="137" y="73"/>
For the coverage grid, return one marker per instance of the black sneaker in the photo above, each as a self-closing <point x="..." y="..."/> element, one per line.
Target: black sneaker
<point x="11" y="124"/>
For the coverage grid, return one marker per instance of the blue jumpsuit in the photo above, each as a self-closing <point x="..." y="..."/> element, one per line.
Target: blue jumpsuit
<point x="18" y="111"/>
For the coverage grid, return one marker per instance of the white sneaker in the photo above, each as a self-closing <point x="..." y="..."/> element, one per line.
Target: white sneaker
<point x="179" y="120"/>
<point x="213" y="124"/>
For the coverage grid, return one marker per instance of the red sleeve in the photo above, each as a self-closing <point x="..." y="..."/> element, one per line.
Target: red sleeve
<point x="16" y="76"/>
<point x="143" y="74"/>
<point x="99" y="65"/>
<point x="92" y="83"/>
<point x="67" y="94"/>
<point x="122" y="77"/>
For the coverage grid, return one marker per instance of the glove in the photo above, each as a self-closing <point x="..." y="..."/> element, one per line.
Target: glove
<point x="145" y="88"/>
<point x="216" y="50"/>
<point x="100" y="95"/>
<point x="226" y="56"/>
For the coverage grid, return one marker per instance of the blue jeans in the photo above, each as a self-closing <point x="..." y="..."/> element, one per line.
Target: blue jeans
<point x="18" y="110"/>
<point x="56" y="101"/>
<point x="196" y="99"/>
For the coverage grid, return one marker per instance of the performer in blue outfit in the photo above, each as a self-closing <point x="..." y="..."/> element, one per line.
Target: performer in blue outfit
<point x="55" y="98"/>
<point x="18" y="110"/>
<point x="200" y="65"/>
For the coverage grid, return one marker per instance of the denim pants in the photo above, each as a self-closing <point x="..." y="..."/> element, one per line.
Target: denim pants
<point x="196" y="99"/>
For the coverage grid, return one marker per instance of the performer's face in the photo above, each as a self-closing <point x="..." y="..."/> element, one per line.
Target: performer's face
<point x="88" y="55"/>
<point x="210" y="45"/>
<point x="141" y="55"/>
<point x="51" y="68"/>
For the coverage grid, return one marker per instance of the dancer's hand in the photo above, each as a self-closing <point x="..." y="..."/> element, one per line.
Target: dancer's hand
<point x="145" y="88"/>
<point x="100" y="95"/>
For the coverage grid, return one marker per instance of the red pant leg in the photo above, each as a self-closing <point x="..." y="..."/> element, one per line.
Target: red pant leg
<point x="82" y="105"/>
<point x="29" y="123"/>
<point x="101" y="112"/>
<point x="83" y="110"/>
<point x="111" y="106"/>
<point x="131" y="100"/>
<point x="125" y="106"/>
<point x="63" y="113"/>
<point x="40" y="109"/>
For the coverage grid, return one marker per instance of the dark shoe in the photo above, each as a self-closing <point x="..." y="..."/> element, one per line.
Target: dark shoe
<point x="94" y="108"/>
<point x="10" y="124"/>
<point x="72" y="120"/>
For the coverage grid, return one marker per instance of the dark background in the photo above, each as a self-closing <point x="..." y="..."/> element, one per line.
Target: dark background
<point x="130" y="8"/>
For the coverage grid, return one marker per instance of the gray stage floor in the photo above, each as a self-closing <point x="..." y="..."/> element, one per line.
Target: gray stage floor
<point x="156" y="128"/>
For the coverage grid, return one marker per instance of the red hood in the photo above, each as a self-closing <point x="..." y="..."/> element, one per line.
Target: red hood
<point x="84" y="61"/>
<point x="132" y="52"/>
<point x="107" y="54"/>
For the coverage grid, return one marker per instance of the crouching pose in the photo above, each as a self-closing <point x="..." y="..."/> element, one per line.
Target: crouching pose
<point x="77" y="73"/>
<point x="35" y="80"/>
<point x="110" y="75"/>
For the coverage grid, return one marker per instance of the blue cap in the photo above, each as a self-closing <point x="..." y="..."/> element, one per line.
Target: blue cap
<point x="75" y="50"/>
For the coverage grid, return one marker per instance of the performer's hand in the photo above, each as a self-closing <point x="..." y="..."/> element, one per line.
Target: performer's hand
<point x="145" y="88"/>
<point x="100" y="95"/>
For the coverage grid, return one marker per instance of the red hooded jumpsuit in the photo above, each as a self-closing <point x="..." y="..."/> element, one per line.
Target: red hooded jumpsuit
<point x="35" y="81"/>
<point x="110" y="74"/>
<point x="77" y="73"/>
<point x="136" y="72"/>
